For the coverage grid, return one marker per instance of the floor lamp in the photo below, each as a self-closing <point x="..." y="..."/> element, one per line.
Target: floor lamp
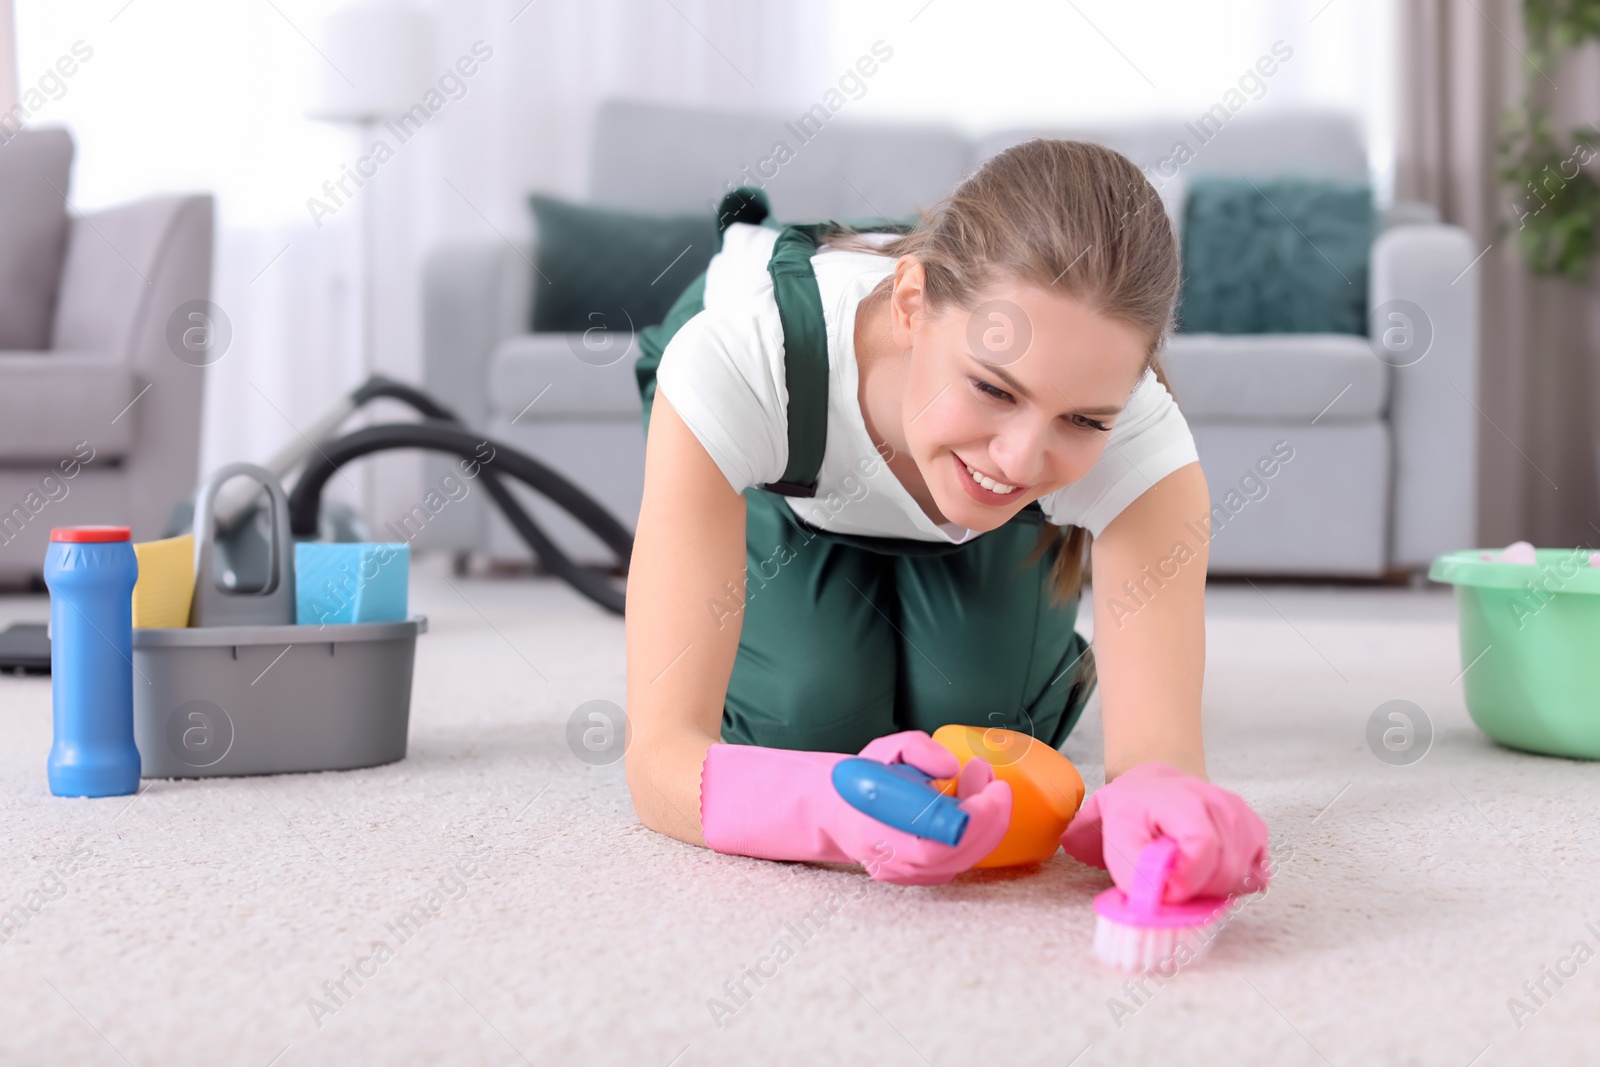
<point x="376" y="64"/>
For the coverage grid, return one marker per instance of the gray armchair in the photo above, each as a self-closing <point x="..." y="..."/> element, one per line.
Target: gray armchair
<point x="99" y="418"/>
<point x="1384" y="444"/>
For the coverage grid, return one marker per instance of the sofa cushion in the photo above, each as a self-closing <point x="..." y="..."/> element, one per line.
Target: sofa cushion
<point x="1233" y="378"/>
<point x="1285" y="255"/>
<point x="540" y="376"/>
<point x="1287" y="498"/>
<point x="34" y="169"/>
<point x="1276" y="377"/>
<point x="609" y="267"/>
<point x="50" y="402"/>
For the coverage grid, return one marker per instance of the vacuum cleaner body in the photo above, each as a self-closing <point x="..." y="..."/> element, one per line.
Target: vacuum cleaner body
<point x="243" y="519"/>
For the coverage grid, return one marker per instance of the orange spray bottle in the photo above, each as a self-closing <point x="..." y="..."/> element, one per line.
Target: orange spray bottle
<point x="1046" y="789"/>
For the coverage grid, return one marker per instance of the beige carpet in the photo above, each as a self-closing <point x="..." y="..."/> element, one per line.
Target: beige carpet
<point x="198" y="923"/>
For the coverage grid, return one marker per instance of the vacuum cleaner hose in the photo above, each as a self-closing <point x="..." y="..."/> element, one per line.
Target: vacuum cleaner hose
<point x="379" y="385"/>
<point x="443" y="433"/>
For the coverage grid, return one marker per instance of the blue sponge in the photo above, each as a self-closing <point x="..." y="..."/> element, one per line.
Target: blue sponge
<point x="350" y="582"/>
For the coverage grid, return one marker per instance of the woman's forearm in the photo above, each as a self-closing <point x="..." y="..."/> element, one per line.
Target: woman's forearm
<point x="1149" y="627"/>
<point x="666" y="784"/>
<point x="688" y="552"/>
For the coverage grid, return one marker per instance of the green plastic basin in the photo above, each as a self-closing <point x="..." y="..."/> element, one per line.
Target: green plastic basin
<point x="1530" y="648"/>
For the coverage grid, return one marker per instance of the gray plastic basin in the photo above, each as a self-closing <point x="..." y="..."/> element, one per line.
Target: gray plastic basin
<point x="226" y="700"/>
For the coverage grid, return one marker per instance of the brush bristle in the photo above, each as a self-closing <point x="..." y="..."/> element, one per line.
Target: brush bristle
<point x="1146" y="948"/>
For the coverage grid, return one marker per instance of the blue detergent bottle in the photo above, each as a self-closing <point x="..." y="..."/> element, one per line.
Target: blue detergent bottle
<point x="91" y="571"/>
<point x="898" y="795"/>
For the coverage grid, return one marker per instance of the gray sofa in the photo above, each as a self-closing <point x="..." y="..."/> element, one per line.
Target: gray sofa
<point x="1381" y="444"/>
<point x="99" y="419"/>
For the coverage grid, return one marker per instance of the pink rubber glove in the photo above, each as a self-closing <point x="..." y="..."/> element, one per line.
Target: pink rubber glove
<point x="1222" y="844"/>
<point x="775" y="804"/>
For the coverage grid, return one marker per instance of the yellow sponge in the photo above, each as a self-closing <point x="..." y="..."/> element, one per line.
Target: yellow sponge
<point x="166" y="582"/>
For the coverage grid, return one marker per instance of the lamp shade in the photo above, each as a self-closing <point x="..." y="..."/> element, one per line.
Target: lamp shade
<point x="378" y="61"/>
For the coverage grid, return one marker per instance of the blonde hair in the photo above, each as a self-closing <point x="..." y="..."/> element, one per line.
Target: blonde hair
<point x="1070" y="216"/>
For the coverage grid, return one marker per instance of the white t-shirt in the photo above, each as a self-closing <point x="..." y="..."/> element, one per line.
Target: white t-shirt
<point x="723" y="372"/>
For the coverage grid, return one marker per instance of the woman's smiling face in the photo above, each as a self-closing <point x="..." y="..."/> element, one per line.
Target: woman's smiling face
<point x="1014" y="399"/>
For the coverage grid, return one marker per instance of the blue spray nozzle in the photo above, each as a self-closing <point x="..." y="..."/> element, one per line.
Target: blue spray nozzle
<point x="898" y="795"/>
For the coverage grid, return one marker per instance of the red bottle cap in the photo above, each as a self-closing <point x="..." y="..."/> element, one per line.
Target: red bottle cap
<point x="80" y="534"/>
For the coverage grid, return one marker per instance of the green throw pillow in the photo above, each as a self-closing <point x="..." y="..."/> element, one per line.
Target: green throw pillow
<point x="1281" y="255"/>
<point x="596" y="261"/>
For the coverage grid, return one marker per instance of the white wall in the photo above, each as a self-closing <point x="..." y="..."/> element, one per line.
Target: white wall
<point x="1006" y="63"/>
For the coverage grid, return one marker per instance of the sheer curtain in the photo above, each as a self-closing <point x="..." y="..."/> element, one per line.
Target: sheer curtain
<point x="8" y="57"/>
<point x="188" y="94"/>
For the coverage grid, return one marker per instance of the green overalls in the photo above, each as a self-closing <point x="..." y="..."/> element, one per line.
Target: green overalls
<point x="848" y="638"/>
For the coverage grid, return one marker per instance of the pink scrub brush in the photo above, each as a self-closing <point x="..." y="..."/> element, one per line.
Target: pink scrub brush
<point x="1137" y="932"/>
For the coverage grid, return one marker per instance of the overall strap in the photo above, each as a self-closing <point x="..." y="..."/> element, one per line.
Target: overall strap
<point x="805" y="355"/>
<point x="805" y="331"/>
